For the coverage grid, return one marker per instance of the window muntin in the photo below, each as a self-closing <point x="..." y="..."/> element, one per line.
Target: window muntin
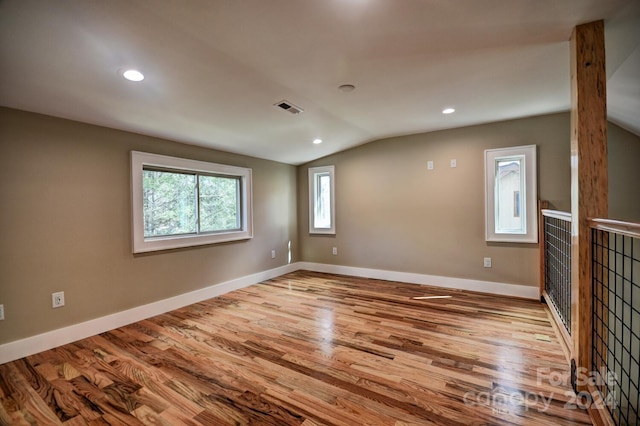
<point x="178" y="202"/>
<point x="322" y="200"/>
<point x="511" y="194"/>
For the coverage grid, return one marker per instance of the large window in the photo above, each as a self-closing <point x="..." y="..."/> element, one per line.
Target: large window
<point x="511" y="194"/>
<point x="322" y="200"/>
<point x="179" y="202"/>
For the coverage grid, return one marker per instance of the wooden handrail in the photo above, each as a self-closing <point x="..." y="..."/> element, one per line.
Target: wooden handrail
<point x="625" y="228"/>
<point x="557" y="214"/>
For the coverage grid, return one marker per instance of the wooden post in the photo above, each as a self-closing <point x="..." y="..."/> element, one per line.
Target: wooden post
<point x="542" y="204"/>
<point x="589" y="180"/>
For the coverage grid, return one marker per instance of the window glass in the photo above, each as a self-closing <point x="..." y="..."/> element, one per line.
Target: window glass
<point x="219" y="203"/>
<point x="322" y="217"/>
<point x="508" y="182"/>
<point x="169" y="203"/>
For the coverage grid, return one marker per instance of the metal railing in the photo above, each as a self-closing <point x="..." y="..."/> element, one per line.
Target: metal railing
<point x="616" y="317"/>
<point x="557" y="267"/>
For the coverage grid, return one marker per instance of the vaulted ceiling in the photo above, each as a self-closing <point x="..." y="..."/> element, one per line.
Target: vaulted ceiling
<point x="215" y="68"/>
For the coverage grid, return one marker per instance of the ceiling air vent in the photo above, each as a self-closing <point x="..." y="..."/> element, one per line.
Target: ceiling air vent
<point x="289" y="107"/>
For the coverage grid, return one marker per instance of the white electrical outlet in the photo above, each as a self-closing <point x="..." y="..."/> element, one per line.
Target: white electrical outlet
<point x="273" y="254"/>
<point x="487" y="262"/>
<point x="454" y="164"/>
<point x="335" y="251"/>
<point x="57" y="299"/>
<point x="1" y="312"/>
<point x="429" y="165"/>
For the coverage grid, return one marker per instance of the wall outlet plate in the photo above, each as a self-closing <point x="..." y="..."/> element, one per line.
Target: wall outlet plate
<point x="1" y="312"/>
<point x="429" y="165"/>
<point x="273" y="254"/>
<point x="487" y="262"/>
<point x="57" y="299"/>
<point x="454" y="164"/>
<point x="334" y="251"/>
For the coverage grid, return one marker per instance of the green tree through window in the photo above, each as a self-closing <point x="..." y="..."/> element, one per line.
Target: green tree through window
<point x="219" y="203"/>
<point x="176" y="203"/>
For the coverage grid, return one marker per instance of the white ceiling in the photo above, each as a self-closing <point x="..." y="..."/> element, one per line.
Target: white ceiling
<point x="214" y="68"/>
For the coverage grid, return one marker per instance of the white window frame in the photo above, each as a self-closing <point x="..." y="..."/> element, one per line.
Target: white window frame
<point x="528" y="198"/>
<point x="140" y="244"/>
<point x="314" y="174"/>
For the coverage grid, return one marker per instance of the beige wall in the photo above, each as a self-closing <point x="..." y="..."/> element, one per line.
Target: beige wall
<point x="65" y="213"/>
<point x="624" y="174"/>
<point x="394" y="214"/>
<point x="65" y="225"/>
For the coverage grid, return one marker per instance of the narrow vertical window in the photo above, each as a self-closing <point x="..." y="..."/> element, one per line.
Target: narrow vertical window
<point x="511" y="194"/>
<point x="321" y="200"/>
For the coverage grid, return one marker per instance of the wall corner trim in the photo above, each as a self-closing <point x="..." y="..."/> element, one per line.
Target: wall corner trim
<point x="17" y="349"/>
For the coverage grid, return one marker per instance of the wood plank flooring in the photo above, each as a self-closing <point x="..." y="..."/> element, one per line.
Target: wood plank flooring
<point x="307" y="349"/>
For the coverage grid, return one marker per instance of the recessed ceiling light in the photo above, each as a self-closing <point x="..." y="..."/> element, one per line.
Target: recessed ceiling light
<point x="448" y="111"/>
<point x="317" y="141"/>
<point x="133" y="75"/>
<point x="346" y="87"/>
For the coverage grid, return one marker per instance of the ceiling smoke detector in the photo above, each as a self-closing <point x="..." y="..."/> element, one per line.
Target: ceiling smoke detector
<point x="289" y="107"/>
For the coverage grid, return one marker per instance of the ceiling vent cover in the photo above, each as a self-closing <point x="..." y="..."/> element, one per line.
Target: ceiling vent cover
<point x="289" y="107"/>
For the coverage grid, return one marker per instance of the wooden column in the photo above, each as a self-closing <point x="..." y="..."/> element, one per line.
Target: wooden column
<point x="589" y="180"/>
<point x="542" y="204"/>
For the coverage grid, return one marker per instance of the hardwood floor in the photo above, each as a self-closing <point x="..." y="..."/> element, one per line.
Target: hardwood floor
<point x="307" y="349"/>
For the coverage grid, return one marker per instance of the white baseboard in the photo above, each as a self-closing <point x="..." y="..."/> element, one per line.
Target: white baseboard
<point x="515" y="290"/>
<point x="45" y="341"/>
